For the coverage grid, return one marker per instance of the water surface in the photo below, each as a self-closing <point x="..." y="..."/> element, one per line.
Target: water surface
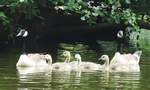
<point x="12" y="78"/>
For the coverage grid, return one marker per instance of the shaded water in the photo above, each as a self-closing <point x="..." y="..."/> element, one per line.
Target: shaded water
<point x="33" y="79"/>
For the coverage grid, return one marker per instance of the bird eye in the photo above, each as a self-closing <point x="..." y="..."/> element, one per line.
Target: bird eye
<point x="103" y="56"/>
<point x="47" y="61"/>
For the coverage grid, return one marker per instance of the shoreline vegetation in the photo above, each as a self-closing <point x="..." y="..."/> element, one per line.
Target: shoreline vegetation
<point x="51" y="22"/>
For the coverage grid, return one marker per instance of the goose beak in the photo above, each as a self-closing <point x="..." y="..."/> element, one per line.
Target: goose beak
<point x="99" y="59"/>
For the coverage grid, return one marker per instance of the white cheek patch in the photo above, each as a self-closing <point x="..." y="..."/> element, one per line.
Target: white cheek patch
<point x="25" y="34"/>
<point x="19" y="34"/>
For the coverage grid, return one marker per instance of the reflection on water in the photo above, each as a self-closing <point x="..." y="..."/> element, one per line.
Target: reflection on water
<point x="62" y="80"/>
<point x="28" y="70"/>
<point x="13" y="78"/>
<point x="31" y="78"/>
<point x="77" y="80"/>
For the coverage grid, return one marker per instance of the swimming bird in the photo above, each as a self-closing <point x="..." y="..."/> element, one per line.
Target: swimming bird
<point x="63" y="66"/>
<point x="123" y="62"/>
<point x="126" y="58"/>
<point x="31" y="59"/>
<point x="84" y="65"/>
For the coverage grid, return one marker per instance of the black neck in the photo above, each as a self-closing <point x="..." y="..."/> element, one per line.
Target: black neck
<point x="24" y="45"/>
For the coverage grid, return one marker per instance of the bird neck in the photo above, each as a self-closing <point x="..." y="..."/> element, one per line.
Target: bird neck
<point x="67" y="60"/>
<point x="24" y="45"/>
<point x="106" y="64"/>
<point x="79" y="61"/>
<point x="137" y="55"/>
<point x="49" y="61"/>
<point x="137" y="58"/>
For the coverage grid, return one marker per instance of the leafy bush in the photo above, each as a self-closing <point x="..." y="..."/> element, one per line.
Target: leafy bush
<point x="125" y="12"/>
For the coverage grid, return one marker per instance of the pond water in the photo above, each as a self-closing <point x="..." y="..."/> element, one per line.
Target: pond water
<point x="12" y="78"/>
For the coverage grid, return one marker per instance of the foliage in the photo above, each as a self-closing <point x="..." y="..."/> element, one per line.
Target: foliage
<point x="125" y="12"/>
<point x="4" y="19"/>
<point x="112" y="11"/>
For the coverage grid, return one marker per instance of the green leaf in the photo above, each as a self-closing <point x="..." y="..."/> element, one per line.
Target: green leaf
<point x="128" y="1"/>
<point x="2" y="15"/>
<point x="83" y="18"/>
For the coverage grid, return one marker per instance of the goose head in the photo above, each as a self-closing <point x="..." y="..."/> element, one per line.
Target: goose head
<point x="67" y="55"/>
<point x="104" y="57"/>
<point x="22" y="33"/>
<point x="48" y="58"/>
<point x="78" y="57"/>
<point x="106" y="64"/>
<point x="120" y="34"/>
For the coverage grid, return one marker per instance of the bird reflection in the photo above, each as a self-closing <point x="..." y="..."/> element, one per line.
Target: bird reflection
<point x="34" y="79"/>
<point x="119" y="80"/>
<point x="33" y="70"/>
<point x="35" y="75"/>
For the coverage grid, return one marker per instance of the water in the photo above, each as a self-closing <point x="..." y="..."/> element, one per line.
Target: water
<point x="33" y="79"/>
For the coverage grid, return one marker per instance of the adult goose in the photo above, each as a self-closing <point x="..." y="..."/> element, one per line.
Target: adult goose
<point x="32" y="59"/>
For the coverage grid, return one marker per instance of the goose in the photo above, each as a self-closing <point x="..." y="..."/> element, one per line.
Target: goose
<point x="31" y="59"/>
<point x="85" y="66"/>
<point x="63" y="66"/>
<point x="122" y="62"/>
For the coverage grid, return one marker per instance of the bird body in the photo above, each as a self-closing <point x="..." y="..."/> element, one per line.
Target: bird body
<point x="25" y="61"/>
<point x="30" y="60"/>
<point x="61" y="66"/>
<point x="85" y="66"/>
<point x="89" y="66"/>
<point x="126" y="59"/>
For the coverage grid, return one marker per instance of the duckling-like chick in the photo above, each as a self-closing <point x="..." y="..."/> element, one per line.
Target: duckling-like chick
<point x="63" y="66"/>
<point x="84" y="66"/>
